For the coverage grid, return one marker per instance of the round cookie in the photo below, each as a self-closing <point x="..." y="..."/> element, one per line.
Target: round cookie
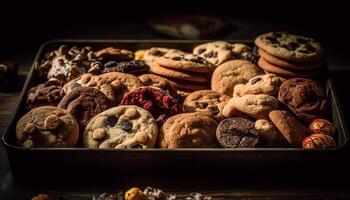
<point x="153" y="53"/>
<point x="215" y="52"/>
<point x="305" y="98"/>
<point x="231" y="73"/>
<point x="49" y="93"/>
<point x="206" y="102"/>
<point x="263" y="84"/>
<point x="159" y="82"/>
<point x="289" y="65"/>
<point x="188" y="130"/>
<point x="292" y="130"/>
<point x="115" y="54"/>
<point x="286" y="72"/>
<point x="185" y="62"/>
<point x="122" y="127"/>
<point x="110" y="89"/>
<point x="290" y="47"/>
<point x="237" y="133"/>
<point x="159" y="103"/>
<point x="245" y="52"/>
<point x="84" y="103"/>
<point x="170" y="73"/>
<point x="47" y="126"/>
<point x="258" y="106"/>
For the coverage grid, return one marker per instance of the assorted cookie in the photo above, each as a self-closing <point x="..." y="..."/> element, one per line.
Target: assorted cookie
<point x="220" y="95"/>
<point x="289" y="55"/>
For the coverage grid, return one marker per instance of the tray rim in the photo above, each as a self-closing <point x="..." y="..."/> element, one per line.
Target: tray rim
<point x="329" y="82"/>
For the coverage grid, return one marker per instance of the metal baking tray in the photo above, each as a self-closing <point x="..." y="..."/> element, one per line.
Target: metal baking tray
<point x="41" y="161"/>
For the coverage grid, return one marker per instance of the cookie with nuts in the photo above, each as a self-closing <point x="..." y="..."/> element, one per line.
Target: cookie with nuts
<point x="122" y="127"/>
<point x="47" y="126"/>
<point x="188" y="130"/>
<point x="207" y="102"/>
<point x="263" y="84"/>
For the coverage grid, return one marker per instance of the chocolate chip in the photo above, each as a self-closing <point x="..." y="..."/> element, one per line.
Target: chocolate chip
<point x="176" y="58"/>
<point x="276" y="35"/>
<point x="310" y="47"/>
<point x="127" y="125"/>
<point x="111" y="120"/>
<point x="200" y="51"/>
<point x="301" y="41"/>
<point x="110" y="64"/>
<point x="214" y="110"/>
<point x="210" y="54"/>
<point x="138" y="146"/>
<point x="255" y="80"/>
<point x="202" y="105"/>
<point x="271" y="39"/>
<point x="74" y="86"/>
<point x="293" y="45"/>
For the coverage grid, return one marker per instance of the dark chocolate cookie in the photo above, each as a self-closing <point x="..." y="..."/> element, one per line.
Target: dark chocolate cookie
<point x="46" y="94"/>
<point x="130" y="67"/>
<point x="303" y="97"/>
<point x="237" y="133"/>
<point x="84" y="103"/>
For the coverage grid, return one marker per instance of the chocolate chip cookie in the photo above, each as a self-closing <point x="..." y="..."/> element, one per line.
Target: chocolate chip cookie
<point x="303" y="97"/>
<point x="47" y="126"/>
<point x="207" y="102"/>
<point x="290" y="47"/>
<point x="188" y="130"/>
<point x="258" y="106"/>
<point x="84" y="103"/>
<point x="49" y="93"/>
<point x="150" y="55"/>
<point x="122" y="127"/>
<point x="114" y="54"/>
<point x="159" y="82"/>
<point x="159" y="103"/>
<point x="185" y="62"/>
<point x="293" y="131"/>
<point x="263" y="84"/>
<point x="237" y="133"/>
<point x="215" y="52"/>
<point x="229" y="74"/>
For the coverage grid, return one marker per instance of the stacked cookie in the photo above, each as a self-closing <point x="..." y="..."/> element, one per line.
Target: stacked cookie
<point x="187" y="72"/>
<point x="289" y="55"/>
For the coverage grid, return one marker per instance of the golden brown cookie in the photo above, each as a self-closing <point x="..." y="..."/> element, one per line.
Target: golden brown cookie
<point x="159" y="82"/>
<point x="290" y="47"/>
<point x="188" y="85"/>
<point x="290" y="65"/>
<point x="47" y="126"/>
<point x="263" y="84"/>
<point x="122" y="127"/>
<point x="258" y="106"/>
<point x="188" y="130"/>
<point x="207" y="102"/>
<point x="286" y="72"/>
<point x="293" y="131"/>
<point x="231" y="73"/>
<point x="269" y="135"/>
<point x="215" y="52"/>
<point x="185" y="62"/>
<point x="115" y="54"/>
<point x="171" y="73"/>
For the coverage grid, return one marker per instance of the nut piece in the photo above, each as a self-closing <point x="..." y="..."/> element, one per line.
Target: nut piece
<point x="322" y="126"/>
<point x="134" y="194"/>
<point x="52" y="122"/>
<point x="318" y="141"/>
<point x="99" y="133"/>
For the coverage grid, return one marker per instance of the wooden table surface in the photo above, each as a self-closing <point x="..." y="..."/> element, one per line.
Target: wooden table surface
<point x="220" y="186"/>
